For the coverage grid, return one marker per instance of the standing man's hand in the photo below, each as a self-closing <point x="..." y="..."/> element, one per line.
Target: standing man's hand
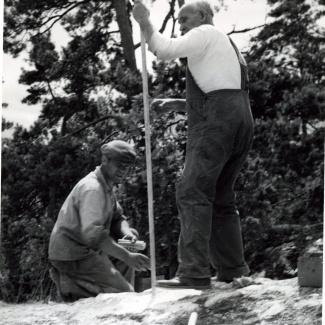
<point x="164" y="105"/>
<point x="140" y="11"/>
<point x="158" y="105"/>
<point x="141" y="14"/>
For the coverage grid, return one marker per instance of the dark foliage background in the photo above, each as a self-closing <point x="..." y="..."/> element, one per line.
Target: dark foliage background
<point x="91" y="92"/>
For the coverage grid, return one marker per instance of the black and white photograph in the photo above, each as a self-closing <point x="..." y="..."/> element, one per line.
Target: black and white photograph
<point x="162" y="162"/>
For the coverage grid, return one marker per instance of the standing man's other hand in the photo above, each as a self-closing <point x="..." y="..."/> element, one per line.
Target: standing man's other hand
<point x="157" y="105"/>
<point x="164" y="105"/>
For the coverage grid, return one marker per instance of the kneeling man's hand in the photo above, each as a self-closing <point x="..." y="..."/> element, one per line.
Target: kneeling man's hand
<point x="138" y="261"/>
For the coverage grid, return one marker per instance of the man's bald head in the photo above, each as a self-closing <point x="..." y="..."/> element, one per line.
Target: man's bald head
<point x="202" y="7"/>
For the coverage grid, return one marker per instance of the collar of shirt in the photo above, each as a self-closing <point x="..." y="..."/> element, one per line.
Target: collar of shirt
<point x="102" y="180"/>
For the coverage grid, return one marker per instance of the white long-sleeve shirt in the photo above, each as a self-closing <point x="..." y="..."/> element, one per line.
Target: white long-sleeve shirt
<point x="211" y="58"/>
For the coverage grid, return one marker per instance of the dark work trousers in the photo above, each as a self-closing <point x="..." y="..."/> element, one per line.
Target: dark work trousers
<point x="98" y="273"/>
<point x="220" y="133"/>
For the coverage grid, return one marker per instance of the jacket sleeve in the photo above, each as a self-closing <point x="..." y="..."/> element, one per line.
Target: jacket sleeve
<point x="92" y="218"/>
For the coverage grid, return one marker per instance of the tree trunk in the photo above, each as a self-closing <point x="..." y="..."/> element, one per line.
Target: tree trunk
<point x="51" y="207"/>
<point x="126" y="33"/>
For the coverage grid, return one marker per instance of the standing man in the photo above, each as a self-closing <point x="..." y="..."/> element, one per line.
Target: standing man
<point x="220" y="133"/>
<point x="86" y="258"/>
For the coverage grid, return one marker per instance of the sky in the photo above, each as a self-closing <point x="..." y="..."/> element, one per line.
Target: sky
<point x="239" y="13"/>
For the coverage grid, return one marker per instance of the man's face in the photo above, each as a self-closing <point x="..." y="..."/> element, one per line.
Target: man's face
<point x="189" y="19"/>
<point x="116" y="171"/>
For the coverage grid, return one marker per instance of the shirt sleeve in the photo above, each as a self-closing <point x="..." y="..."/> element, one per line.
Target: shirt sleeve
<point x="191" y="44"/>
<point x="93" y="218"/>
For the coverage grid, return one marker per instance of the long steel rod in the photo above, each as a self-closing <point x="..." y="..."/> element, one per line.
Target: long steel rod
<point x="148" y="161"/>
<point x="193" y="318"/>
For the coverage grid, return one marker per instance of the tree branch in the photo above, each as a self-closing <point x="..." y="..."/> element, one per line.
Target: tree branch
<point x="58" y="17"/>
<point x="51" y="92"/>
<point x="244" y="30"/>
<point x="170" y="14"/>
<point x="113" y="133"/>
<point x="116" y="117"/>
<point x="288" y="200"/>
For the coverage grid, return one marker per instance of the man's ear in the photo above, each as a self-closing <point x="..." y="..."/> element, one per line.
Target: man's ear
<point x="105" y="160"/>
<point x="202" y="17"/>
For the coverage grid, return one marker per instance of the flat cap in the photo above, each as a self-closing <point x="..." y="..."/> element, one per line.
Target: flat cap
<point x="120" y="151"/>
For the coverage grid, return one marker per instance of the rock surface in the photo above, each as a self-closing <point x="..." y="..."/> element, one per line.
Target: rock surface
<point x="246" y="302"/>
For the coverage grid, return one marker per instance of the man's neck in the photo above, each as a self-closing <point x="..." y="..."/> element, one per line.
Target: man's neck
<point x="109" y="182"/>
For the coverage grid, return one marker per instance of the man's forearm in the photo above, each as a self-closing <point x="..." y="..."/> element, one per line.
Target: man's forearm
<point x="179" y="105"/>
<point x="164" y="105"/>
<point x="125" y="228"/>
<point x="121" y="228"/>
<point x="112" y="248"/>
<point x="147" y="28"/>
<point x="137" y="261"/>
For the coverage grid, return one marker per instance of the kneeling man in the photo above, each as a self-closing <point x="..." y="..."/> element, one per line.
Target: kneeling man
<point x="83" y="250"/>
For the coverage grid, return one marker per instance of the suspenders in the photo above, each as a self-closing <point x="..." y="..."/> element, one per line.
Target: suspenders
<point x="243" y="68"/>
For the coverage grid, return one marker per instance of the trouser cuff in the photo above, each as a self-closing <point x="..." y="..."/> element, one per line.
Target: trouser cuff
<point x="229" y="274"/>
